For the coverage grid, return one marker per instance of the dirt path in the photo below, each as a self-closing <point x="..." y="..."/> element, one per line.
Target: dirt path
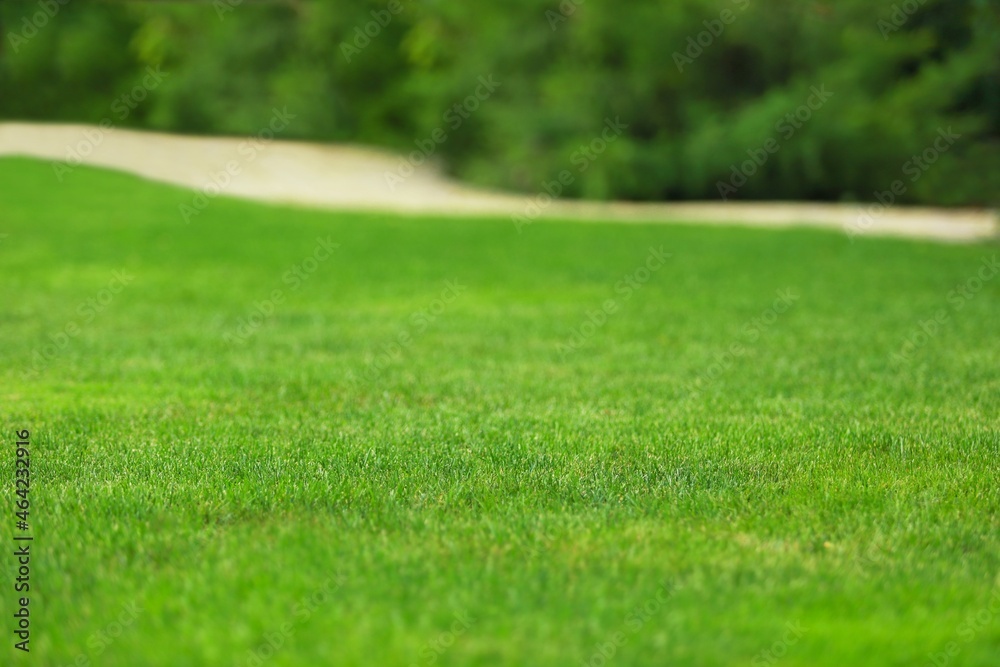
<point x="348" y="177"/>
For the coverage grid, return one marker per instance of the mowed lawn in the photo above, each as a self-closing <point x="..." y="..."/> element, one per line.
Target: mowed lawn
<point x="252" y="447"/>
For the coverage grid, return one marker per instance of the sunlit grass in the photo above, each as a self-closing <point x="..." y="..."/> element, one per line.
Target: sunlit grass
<point x="373" y="461"/>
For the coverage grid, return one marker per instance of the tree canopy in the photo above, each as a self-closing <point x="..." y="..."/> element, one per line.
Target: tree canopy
<point x="712" y="99"/>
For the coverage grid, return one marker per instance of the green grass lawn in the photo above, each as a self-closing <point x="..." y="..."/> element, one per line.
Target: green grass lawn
<point x="422" y="453"/>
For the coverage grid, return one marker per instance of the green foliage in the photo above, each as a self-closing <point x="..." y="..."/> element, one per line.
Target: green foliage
<point x="693" y="110"/>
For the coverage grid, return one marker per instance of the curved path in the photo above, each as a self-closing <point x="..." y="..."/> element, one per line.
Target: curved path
<point x="346" y="177"/>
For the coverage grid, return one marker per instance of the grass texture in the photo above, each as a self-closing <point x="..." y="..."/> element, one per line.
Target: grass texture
<point x="275" y="436"/>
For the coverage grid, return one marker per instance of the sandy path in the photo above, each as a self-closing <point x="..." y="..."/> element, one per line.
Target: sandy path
<point x="348" y="177"/>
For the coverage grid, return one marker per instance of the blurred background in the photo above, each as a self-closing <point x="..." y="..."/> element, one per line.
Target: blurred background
<point x="702" y="86"/>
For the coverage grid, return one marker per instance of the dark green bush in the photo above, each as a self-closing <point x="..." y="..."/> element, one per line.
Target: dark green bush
<point x="695" y="114"/>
